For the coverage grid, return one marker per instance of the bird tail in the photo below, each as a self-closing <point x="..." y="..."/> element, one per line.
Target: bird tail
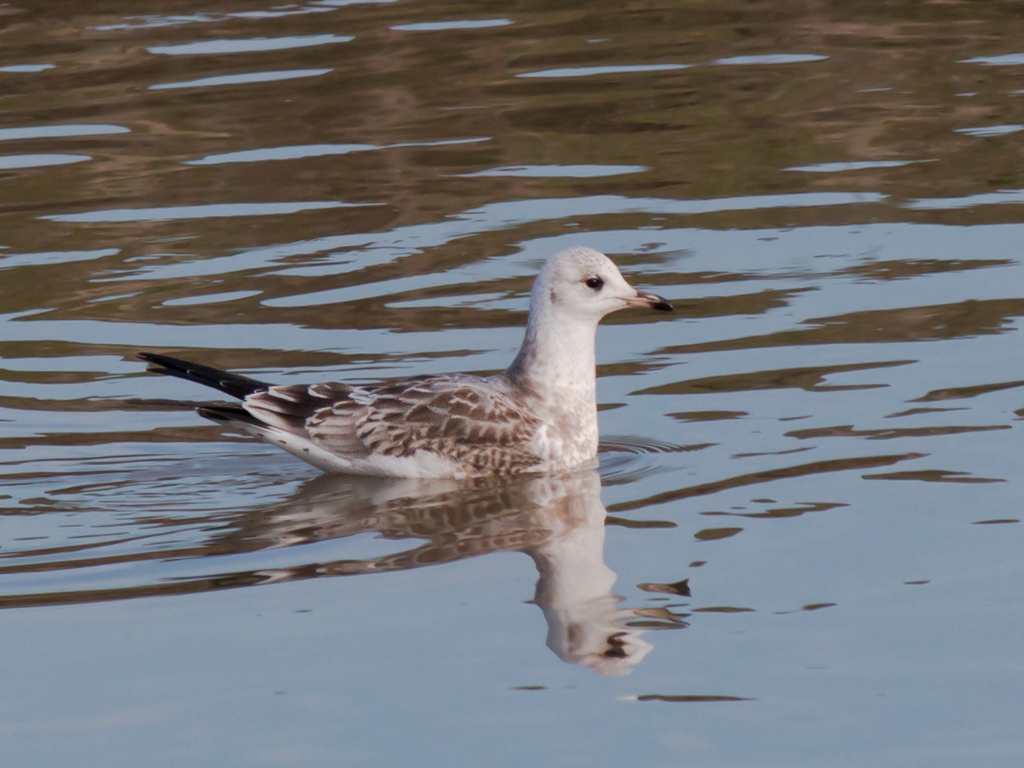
<point x="229" y="383"/>
<point x="229" y="414"/>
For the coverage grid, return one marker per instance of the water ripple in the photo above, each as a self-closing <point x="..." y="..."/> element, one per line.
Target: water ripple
<point x="255" y="44"/>
<point x="242" y="79"/>
<point x="442" y="26"/>
<point x="298" y="152"/>
<point x="60" y="131"/>
<point x="189" y="212"/>
<point x="12" y="162"/>
<point x="607" y="69"/>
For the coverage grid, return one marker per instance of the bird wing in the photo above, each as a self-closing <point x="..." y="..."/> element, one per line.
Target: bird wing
<point x="463" y="418"/>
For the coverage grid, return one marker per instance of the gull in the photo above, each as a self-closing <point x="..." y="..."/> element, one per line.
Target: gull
<point x="538" y="415"/>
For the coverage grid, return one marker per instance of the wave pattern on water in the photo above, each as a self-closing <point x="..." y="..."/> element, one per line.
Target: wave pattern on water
<point x="361" y="190"/>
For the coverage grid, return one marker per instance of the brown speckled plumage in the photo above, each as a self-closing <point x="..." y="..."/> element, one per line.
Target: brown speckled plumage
<point x="477" y="422"/>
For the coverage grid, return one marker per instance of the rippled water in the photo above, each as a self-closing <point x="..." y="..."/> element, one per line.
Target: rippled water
<point x="810" y="473"/>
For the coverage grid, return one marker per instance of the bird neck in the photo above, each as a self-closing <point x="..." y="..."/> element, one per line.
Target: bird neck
<point x="558" y="362"/>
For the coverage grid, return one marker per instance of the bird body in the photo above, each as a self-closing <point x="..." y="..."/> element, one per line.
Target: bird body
<point x="538" y="415"/>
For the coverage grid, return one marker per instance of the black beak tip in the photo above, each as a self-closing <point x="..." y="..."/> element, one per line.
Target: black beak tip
<point x="654" y="301"/>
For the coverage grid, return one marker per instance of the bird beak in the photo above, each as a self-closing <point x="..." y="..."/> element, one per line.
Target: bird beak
<point x="644" y="299"/>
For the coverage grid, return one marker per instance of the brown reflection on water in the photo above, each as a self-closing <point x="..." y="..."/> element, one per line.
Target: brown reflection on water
<point x="784" y="512"/>
<point x="961" y="393"/>
<point x="888" y="434"/>
<point x="800" y="470"/>
<point x="935" y="476"/>
<point x="810" y="379"/>
<point x="876" y="86"/>
<point x="926" y="323"/>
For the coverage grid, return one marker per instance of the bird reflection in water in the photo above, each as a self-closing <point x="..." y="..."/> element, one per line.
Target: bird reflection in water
<point x="558" y="520"/>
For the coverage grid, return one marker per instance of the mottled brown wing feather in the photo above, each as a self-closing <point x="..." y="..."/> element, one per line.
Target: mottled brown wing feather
<point x="296" y="407"/>
<point x="459" y="417"/>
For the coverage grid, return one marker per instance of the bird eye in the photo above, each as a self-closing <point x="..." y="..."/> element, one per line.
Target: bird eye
<point x="595" y="283"/>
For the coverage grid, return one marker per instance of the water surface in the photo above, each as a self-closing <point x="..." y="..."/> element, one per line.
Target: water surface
<point x="802" y="545"/>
